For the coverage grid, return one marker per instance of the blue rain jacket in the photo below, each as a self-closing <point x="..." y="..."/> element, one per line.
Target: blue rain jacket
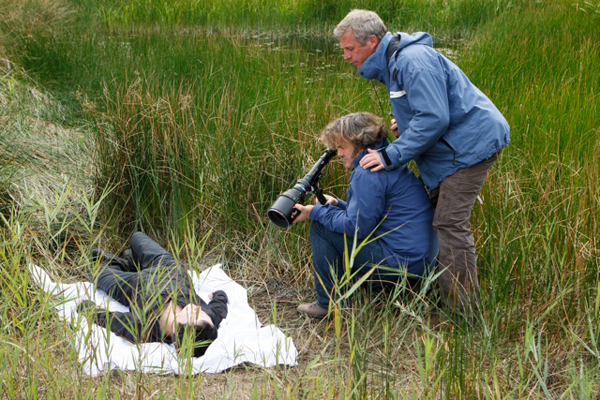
<point x="445" y="122"/>
<point x="394" y="199"/>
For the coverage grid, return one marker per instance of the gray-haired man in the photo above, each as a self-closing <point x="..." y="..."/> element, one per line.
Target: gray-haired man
<point x="444" y="123"/>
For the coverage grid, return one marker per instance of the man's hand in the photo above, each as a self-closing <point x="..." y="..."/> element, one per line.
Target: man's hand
<point x="394" y="128"/>
<point x="372" y="161"/>
<point x="304" y="212"/>
<point x="330" y="200"/>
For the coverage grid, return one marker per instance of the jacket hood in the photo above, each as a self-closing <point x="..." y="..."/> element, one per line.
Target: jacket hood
<point x="372" y="67"/>
<point x="415" y="38"/>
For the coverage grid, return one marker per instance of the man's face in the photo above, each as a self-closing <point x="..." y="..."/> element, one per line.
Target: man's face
<point x="192" y="314"/>
<point x="347" y="152"/>
<point x="354" y="51"/>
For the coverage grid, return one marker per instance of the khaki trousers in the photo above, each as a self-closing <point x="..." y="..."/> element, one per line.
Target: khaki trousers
<point x="453" y="200"/>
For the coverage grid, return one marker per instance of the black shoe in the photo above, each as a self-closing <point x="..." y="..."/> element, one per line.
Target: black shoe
<point x="127" y="255"/>
<point x="313" y="310"/>
<point x="107" y="258"/>
<point x="102" y="255"/>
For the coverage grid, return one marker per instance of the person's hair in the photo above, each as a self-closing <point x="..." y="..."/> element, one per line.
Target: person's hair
<point x="203" y="335"/>
<point x="363" y="23"/>
<point x="361" y="129"/>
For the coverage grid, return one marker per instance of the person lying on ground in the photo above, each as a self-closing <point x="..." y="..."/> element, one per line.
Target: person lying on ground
<point x="392" y="207"/>
<point x="159" y="292"/>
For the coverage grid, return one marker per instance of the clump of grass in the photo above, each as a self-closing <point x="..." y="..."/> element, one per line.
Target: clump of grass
<point x="148" y="150"/>
<point x="41" y="15"/>
<point x="35" y="149"/>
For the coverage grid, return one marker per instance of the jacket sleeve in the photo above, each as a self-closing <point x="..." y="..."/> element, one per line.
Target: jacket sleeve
<point x="217" y="307"/>
<point x="426" y="93"/>
<point x="126" y="325"/>
<point x="342" y="204"/>
<point x="364" y="209"/>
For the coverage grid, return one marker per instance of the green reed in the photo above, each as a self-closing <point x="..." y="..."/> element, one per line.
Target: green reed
<point x="200" y="113"/>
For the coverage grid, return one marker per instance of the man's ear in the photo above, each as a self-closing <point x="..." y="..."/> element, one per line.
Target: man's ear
<point x="373" y="42"/>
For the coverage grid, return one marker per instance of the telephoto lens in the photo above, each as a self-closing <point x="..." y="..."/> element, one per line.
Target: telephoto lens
<point x="282" y="212"/>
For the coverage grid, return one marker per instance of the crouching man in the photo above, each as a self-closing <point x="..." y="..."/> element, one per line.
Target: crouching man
<point x="391" y="208"/>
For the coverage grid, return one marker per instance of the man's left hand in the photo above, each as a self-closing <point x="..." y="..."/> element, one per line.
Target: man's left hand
<point x="394" y="128"/>
<point x="372" y="161"/>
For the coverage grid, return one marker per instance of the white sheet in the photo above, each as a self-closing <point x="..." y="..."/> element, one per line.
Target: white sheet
<point x="241" y="338"/>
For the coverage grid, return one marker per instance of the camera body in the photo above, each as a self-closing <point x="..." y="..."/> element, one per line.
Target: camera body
<point x="282" y="213"/>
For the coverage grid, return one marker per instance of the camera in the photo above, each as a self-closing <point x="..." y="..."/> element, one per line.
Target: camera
<point x="282" y="213"/>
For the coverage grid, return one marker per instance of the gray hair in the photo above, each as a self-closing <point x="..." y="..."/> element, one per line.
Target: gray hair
<point x="363" y="23"/>
<point x="361" y="129"/>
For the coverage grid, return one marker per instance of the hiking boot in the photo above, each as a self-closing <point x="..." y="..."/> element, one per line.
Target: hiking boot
<point x="312" y="310"/>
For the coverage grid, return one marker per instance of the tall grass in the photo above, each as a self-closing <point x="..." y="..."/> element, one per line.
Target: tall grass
<point x="219" y="138"/>
<point x="146" y="150"/>
<point x="454" y="18"/>
<point x="542" y="202"/>
<point x="191" y="117"/>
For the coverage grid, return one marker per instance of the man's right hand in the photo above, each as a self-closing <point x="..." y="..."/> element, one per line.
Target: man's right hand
<point x="394" y="128"/>
<point x="330" y="200"/>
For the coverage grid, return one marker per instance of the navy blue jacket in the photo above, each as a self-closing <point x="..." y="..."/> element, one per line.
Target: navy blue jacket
<point x="445" y="122"/>
<point x="393" y="204"/>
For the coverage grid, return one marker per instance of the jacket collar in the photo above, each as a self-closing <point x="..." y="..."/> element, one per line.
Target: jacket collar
<point x="375" y="66"/>
<point x="376" y="146"/>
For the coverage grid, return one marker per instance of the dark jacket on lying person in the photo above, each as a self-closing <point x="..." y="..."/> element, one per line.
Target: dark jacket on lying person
<point x="164" y="306"/>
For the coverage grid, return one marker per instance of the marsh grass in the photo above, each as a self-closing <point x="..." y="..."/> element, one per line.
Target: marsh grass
<point x="187" y="122"/>
<point x="454" y="18"/>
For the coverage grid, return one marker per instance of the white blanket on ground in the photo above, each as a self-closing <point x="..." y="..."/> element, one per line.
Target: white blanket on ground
<point x="241" y="336"/>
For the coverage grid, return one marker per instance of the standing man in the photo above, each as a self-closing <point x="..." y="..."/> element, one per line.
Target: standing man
<point x="443" y="122"/>
<point x="389" y="214"/>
